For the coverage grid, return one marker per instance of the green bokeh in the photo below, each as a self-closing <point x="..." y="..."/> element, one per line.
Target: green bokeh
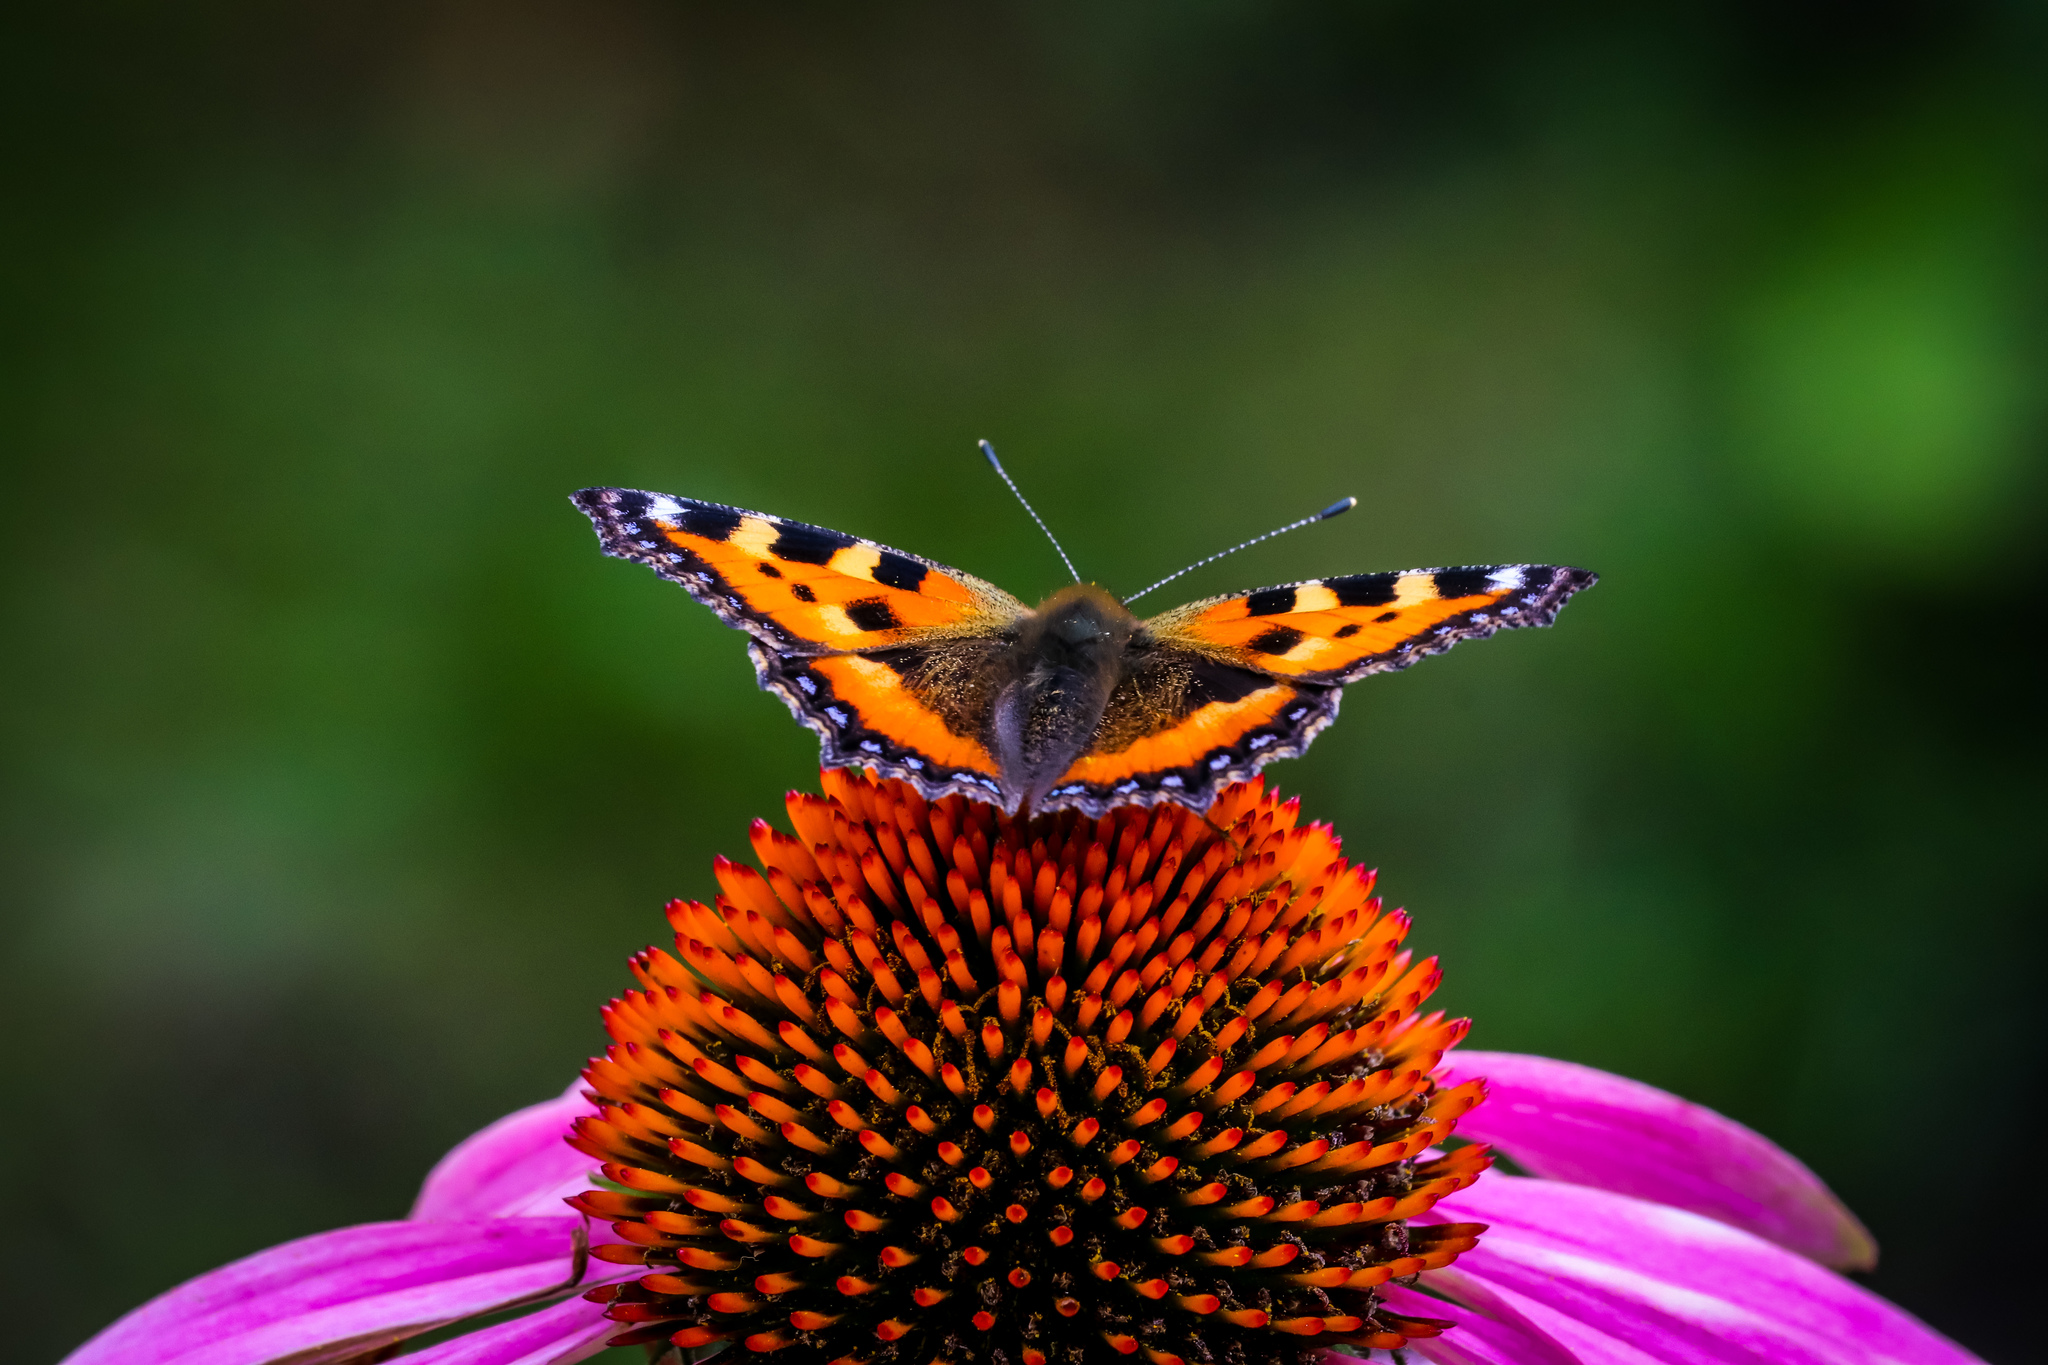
<point x="342" y="774"/>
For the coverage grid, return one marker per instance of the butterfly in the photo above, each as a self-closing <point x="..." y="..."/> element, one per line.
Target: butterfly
<point x="927" y="674"/>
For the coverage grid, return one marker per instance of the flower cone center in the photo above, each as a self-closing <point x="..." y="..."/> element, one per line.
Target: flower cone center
<point x="938" y="1084"/>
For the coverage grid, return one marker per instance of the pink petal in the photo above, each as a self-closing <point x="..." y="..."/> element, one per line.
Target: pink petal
<point x="1479" y="1339"/>
<point x="1565" y="1259"/>
<point x="575" y="1330"/>
<point x="517" y="1167"/>
<point x="345" y="1292"/>
<point x="1568" y="1122"/>
<point x="1515" y="1320"/>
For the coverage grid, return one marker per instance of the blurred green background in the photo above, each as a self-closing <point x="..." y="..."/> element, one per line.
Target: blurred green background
<point x="342" y="774"/>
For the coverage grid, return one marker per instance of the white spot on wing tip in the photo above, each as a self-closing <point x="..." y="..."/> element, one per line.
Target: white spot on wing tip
<point x="1507" y="579"/>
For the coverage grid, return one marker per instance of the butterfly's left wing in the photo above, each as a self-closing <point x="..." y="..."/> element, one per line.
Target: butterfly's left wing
<point x="797" y="588"/>
<point x="879" y="652"/>
<point x="1213" y="691"/>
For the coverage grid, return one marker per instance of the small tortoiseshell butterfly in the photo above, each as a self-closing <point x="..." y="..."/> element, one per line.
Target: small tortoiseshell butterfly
<point x="933" y="676"/>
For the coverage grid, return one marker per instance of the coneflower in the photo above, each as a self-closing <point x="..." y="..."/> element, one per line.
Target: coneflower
<point x="1251" y="1181"/>
<point x="941" y="1085"/>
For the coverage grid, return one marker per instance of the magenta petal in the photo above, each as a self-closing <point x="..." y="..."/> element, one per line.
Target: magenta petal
<point x="575" y="1330"/>
<point x="517" y="1167"/>
<point x="1568" y="1122"/>
<point x="1673" y="1285"/>
<point x="1503" y="1339"/>
<point x="1573" y="1339"/>
<point x="342" y="1293"/>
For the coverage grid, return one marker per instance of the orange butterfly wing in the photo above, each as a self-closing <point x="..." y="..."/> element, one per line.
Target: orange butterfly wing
<point x="843" y="628"/>
<point x="1338" y="630"/>
<point x="1215" y="690"/>
<point x="1184" y="743"/>
<point x="797" y="588"/>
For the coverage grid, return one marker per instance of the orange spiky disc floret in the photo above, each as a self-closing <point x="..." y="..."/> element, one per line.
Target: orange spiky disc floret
<point x="941" y="1085"/>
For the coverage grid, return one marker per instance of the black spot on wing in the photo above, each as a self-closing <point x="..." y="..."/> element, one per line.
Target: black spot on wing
<point x="1278" y="640"/>
<point x="871" y="613"/>
<point x="801" y="544"/>
<point x="1463" y="582"/>
<point x="770" y="570"/>
<point x="710" y="522"/>
<point x="802" y="592"/>
<point x="1269" y="602"/>
<point x="899" y="571"/>
<point x="1385" y="617"/>
<point x="1363" y="589"/>
<point x="1214" y="681"/>
<point x="1349" y="631"/>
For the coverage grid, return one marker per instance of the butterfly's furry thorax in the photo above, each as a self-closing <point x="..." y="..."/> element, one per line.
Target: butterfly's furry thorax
<point x="937" y="678"/>
<point x="1059" y="671"/>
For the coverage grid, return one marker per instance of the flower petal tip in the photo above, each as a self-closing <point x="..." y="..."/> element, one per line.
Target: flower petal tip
<point x="1563" y="1121"/>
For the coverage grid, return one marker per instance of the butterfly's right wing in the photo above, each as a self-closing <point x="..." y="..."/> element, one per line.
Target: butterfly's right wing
<point x="1338" y="630"/>
<point x="1214" y="690"/>
<point x="876" y="650"/>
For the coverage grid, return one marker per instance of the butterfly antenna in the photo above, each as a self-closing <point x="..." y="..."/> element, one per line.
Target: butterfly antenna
<point x="1337" y="508"/>
<point x="990" y="451"/>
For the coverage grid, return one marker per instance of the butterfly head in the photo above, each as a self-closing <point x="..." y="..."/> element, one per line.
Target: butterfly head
<point x="1084" y="623"/>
